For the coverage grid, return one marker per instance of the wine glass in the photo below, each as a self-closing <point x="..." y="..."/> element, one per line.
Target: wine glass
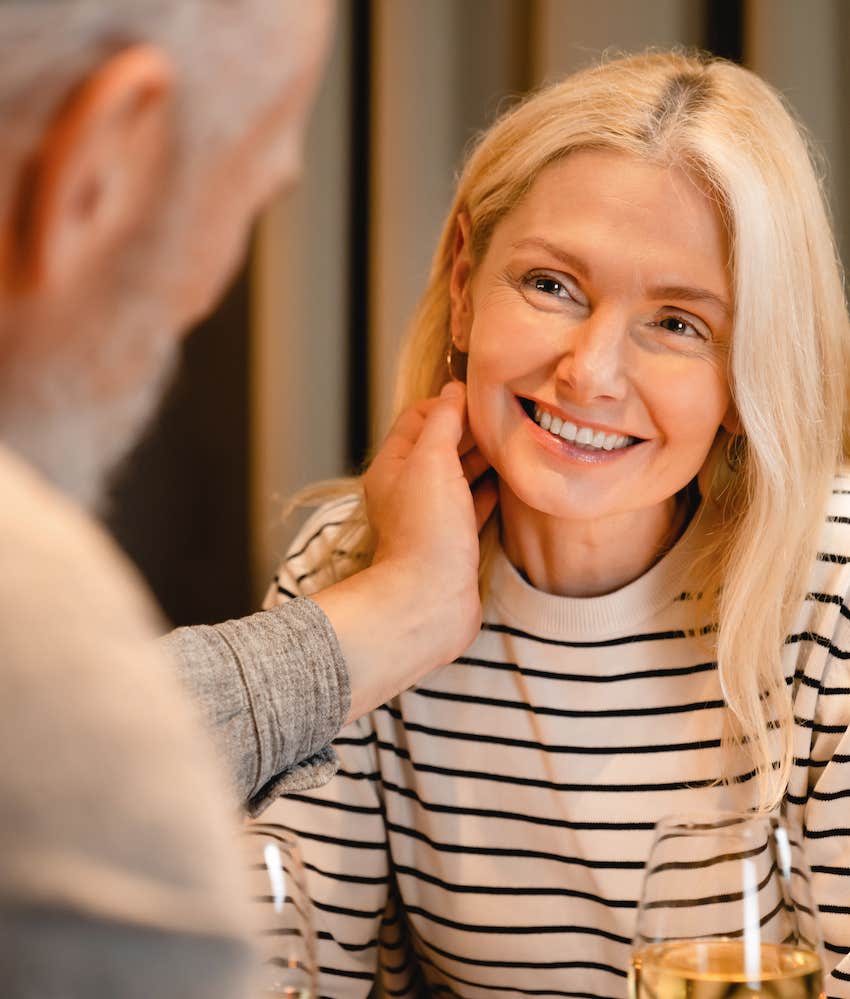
<point x="283" y="923"/>
<point x="726" y="912"/>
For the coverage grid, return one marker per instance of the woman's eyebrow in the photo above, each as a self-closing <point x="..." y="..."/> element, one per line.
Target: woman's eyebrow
<point x="685" y="293"/>
<point x="677" y="292"/>
<point x="569" y="259"/>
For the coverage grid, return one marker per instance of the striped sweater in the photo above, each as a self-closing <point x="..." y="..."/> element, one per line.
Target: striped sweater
<point x="487" y="830"/>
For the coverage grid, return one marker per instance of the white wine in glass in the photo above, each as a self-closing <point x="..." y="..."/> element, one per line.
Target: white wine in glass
<point x="726" y="912"/>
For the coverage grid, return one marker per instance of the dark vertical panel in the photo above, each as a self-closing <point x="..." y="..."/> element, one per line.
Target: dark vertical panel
<point x="724" y="28"/>
<point x="181" y="504"/>
<point x="358" y="383"/>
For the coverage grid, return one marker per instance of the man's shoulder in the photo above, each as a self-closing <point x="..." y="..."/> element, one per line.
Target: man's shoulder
<point x="100" y="748"/>
<point x="56" y="561"/>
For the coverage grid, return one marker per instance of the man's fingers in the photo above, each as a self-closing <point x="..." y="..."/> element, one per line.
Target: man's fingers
<point x="445" y="420"/>
<point x="485" y="496"/>
<point x="474" y="465"/>
<point x="467" y="442"/>
<point x="406" y="430"/>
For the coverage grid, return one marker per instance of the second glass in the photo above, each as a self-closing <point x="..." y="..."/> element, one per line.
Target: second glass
<point x="726" y="911"/>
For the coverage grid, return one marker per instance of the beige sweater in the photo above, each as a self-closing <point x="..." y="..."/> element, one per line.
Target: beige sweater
<point x="110" y="886"/>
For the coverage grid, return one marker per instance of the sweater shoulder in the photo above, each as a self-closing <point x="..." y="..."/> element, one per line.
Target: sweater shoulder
<point x="325" y="550"/>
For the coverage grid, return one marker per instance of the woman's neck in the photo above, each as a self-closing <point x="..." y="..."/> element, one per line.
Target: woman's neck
<point x="587" y="558"/>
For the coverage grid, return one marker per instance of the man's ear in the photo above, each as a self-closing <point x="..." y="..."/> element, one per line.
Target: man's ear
<point x="96" y="169"/>
<point x="460" y="290"/>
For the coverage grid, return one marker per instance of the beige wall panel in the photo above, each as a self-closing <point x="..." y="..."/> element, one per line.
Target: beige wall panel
<point x="569" y="34"/>
<point x="300" y="328"/>
<point x="415" y="48"/>
<point x="440" y="68"/>
<point x="802" y="49"/>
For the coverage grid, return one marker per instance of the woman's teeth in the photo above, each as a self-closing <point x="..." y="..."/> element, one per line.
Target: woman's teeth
<point x="592" y="440"/>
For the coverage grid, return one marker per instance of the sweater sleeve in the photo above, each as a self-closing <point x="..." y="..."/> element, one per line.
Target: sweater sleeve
<point x="340" y="827"/>
<point x="274" y="688"/>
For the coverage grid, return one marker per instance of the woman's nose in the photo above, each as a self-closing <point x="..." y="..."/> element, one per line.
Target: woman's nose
<point x="592" y="363"/>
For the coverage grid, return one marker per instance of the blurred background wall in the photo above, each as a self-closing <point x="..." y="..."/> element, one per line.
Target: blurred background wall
<point x="291" y="380"/>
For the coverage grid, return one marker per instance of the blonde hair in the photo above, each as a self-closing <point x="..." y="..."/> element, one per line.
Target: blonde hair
<point x="789" y="357"/>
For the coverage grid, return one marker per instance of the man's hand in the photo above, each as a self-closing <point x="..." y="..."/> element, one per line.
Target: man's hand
<point x="417" y="605"/>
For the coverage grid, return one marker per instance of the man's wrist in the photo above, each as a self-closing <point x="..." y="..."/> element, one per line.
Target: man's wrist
<point x="391" y="630"/>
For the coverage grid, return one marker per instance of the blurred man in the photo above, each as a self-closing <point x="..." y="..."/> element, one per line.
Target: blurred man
<point x="138" y="139"/>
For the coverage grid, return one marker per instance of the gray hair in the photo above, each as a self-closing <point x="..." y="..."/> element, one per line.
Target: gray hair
<point x="49" y="46"/>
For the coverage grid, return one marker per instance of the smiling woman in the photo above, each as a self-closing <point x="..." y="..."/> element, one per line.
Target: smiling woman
<point x="602" y="304"/>
<point x="639" y="273"/>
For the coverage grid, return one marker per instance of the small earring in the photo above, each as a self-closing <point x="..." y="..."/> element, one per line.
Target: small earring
<point x="456" y="363"/>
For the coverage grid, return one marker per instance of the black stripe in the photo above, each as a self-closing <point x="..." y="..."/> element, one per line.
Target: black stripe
<point x="341" y="806"/>
<point x="349" y="948"/>
<point x="354" y="844"/>
<point x="286" y="593"/>
<point x="365" y="976"/>
<point x="830" y="598"/>
<point x="822" y="640"/>
<point x="374" y="775"/>
<point x="501" y="851"/>
<point x="842" y="975"/>
<point x="812" y="764"/>
<point x="655" y="636"/>
<point x="842" y="872"/>
<point x="825" y="833"/>
<point x="494" y="813"/>
<point x="513" y="930"/>
<point x="350" y="740"/>
<point x="828" y="795"/>
<point x="840" y="910"/>
<point x="816" y="684"/>
<point x="529" y="891"/>
<point x="819" y="726"/>
<point x="681" y="785"/>
<point x="341" y="910"/>
<point x="330" y="523"/>
<point x="396" y="969"/>
<point x="359" y="879"/>
<point x="831" y="557"/>
<point x="496" y="702"/>
<point x="441" y="733"/>
<point x="834" y="519"/>
<point x="834" y="948"/>
<point x="583" y="677"/>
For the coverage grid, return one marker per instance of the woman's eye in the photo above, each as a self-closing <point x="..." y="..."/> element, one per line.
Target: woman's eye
<point x="551" y="286"/>
<point x="681" y="327"/>
<point x="675" y="325"/>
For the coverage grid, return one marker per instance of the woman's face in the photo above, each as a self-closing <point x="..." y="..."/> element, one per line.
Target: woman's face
<point x="597" y="327"/>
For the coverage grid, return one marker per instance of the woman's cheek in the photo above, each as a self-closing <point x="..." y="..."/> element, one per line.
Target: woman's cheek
<point x="481" y="422"/>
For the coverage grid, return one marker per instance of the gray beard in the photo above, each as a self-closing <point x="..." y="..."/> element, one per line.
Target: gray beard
<point x="54" y="419"/>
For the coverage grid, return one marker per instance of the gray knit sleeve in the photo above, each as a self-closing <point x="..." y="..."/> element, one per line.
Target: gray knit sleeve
<point x="274" y="687"/>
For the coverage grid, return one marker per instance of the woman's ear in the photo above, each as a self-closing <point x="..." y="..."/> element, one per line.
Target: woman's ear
<point x="97" y="168"/>
<point x="460" y="292"/>
<point x="731" y="421"/>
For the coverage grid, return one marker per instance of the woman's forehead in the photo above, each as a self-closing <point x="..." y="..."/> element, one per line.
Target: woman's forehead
<point x="596" y="208"/>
